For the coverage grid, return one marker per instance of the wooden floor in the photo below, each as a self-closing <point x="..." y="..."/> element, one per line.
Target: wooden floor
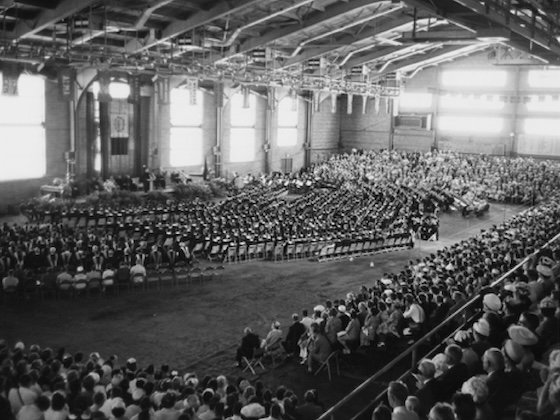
<point x="196" y="328"/>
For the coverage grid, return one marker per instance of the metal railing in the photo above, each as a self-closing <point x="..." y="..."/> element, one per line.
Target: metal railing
<point x="347" y="408"/>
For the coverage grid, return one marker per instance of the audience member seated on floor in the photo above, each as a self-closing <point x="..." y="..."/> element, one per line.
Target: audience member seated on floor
<point x="43" y="384"/>
<point x="250" y="344"/>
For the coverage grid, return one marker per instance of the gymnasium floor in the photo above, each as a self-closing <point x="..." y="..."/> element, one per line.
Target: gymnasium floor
<point x="197" y="327"/>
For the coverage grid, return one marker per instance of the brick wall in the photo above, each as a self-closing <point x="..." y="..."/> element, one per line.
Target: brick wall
<point x="57" y="141"/>
<point x="369" y="130"/>
<point x="325" y="130"/>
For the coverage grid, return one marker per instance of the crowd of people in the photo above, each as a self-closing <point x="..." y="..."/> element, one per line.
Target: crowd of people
<point x="40" y="383"/>
<point x="350" y="197"/>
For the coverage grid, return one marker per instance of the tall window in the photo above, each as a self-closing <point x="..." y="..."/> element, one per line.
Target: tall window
<point x="478" y="125"/>
<point x="544" y="78"/>
<point x="287" y="134"/>
<point x="542" y="126"/>
<point x="22" y="131"/>
<point x="474" y="78"/>
<point x="242" y="132"/>
<point x="471" y="102"/>
<point x="415" y="100"/>
<point x="186" y="142"/>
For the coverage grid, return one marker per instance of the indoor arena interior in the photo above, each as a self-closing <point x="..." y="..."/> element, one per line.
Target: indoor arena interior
<point x="280" y="209"/>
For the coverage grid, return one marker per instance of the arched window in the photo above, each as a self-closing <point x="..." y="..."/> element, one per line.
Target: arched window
<point x="242" y="131"/>
<point x="186" y="140"/>
<point x="22" y="131"/>
<point x="287" y="133"/>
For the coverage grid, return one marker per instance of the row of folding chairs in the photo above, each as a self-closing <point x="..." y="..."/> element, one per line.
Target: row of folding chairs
<point x="333" y="251"/>
<point x="154" y="279"/>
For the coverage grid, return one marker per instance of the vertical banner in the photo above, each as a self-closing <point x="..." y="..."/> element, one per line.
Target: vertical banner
<point x="134" y="95"/>
<point x="219" y="93"/>
<point x="192" y="86"/>
<point x="163" y="90"/>
<point x="245" y="92"/>
<point x="271" y="98"/>
<point x="377" y="103"/>
<point x="387" y="105"/>
<point x="293" y="94"/>
<point x="333" y="102"/>
<point x="364" y="103"/>
<point x="10" y="76"/>
<point x="350" y="99"/>
<point x="119" y="119"/>
<point x="316" y="101"/>
<point x="66" y="80"/>
<point x="104" y="81"/>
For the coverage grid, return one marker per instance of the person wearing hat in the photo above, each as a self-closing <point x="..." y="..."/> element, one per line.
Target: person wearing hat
<point x="272" y="341"/>
<point x="549" y="328"/>
<point x="481" y="332"/>
<point x="296" y="330"/>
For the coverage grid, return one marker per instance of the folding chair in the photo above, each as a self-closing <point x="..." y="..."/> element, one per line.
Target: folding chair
<point x="231" y="255"/>
<point x="242" y="252"/>
<point x="327" y="364"/>
<point x="254" y="362"/>
<point x="260" y="252"/>
<point x="152" y="277"/>
<point x="290" y="251"/>
<point x="279" y="252"/>
<point x="251" y="252"/>
<point x="299" y="253"/>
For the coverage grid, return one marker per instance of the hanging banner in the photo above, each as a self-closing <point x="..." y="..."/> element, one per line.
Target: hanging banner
<point x="293" y="94"/>
<point x="387" y="105"/>
<point x="219" y="93"/>
<point x="104" y="81"/>
<point x="271" y="98"/>
<point x="66" y="79"/>
<point x="350" y="99"/>
<point x="245" y="92"/>
<point x="119" y="119"/>
<point x="192" y="86"/>
<point x="364" y="103"/>
<point x="134" y="95"/>
<point x="316" y="101"/>
<point x="333" y="102"/>
<point x="10" y="77"/>
<point x="163" y="89"/>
